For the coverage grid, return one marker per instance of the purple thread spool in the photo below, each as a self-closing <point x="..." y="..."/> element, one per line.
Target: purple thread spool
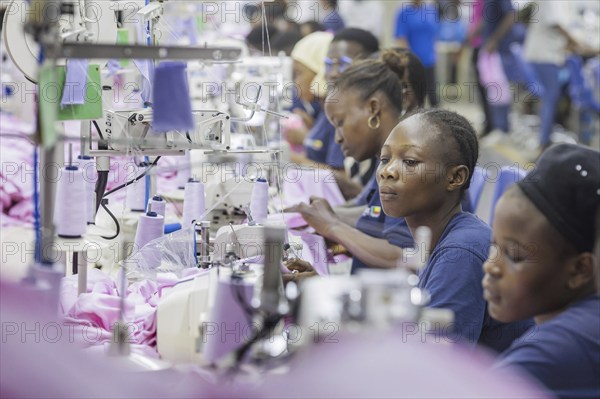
<point x="193" y="202"/>
<point x="259" y="202"/>
<point x="88" y="167"/>
<point x="184" y="170"/>
<point x="150" y="226"/>
<point x="136" y="196"/>
<point x="70" y="215"/>
<point x="157" y="204"/>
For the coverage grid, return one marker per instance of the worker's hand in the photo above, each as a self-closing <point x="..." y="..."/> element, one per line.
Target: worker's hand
<point x="306" y="118"/>
<point x="298" y="265"/>
<point x="300" y="270"/>
<point x="319" y="215"/>
<point x="583" y="50"/>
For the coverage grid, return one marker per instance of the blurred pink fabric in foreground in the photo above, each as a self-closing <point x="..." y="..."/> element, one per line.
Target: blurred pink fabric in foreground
<point x="393" y="364"/>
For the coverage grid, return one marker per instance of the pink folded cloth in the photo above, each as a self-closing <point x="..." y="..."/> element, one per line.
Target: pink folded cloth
<point x="292" y="220"/>
<point x="301" y="184"/>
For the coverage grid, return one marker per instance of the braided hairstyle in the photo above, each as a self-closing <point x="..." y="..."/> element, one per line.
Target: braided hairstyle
<point x="452" y="125"/>
<point x="393" y="73"/>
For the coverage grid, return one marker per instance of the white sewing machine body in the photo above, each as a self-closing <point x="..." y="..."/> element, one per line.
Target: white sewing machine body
<point x="126" y="129"/>
<point x="246" y="240"/>
<point x="201" y="320"/>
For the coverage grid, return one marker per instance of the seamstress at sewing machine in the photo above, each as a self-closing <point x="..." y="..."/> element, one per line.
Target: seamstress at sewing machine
<point x="542" y="266"/>
<point x="369" y="99"/>
<point x="425" y="169"/>
<point x="320" y="148"/>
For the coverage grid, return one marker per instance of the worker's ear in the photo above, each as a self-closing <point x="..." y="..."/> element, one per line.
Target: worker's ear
<point x="456" y="176"/>
<point x="374" y="103"/>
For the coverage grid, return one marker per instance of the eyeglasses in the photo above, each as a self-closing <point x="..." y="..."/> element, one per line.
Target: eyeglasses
<point x="342" y="64"/>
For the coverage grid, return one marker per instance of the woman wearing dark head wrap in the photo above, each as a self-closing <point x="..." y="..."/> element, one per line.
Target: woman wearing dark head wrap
<point x="541" y="265"/>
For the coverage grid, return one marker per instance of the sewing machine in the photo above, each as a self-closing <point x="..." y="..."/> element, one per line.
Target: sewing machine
<point x="206" y="318"/>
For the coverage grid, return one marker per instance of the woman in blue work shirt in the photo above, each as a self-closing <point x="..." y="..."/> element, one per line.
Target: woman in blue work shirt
<point x="425" y="168"/>
<point x="541" y="265"/>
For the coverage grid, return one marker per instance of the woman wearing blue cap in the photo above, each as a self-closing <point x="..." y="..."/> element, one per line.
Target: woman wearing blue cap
<point x="542" y="266"/>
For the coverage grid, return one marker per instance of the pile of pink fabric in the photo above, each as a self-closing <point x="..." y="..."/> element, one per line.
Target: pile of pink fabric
<point x="92" y="315"/>
<point x="16" y="174"/>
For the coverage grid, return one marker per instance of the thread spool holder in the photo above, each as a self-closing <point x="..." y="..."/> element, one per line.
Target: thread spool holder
<point x="203" y="230"/>
<point x="74" y="255"/>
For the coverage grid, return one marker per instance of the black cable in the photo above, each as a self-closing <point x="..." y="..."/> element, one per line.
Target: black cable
<point x="102" y="181"/>
<point x="75" y="265"/>
<point x="270" y="322"/>
<point x="98" y="130"/>
<point x="103" y="203"/>
<point x="143" y="174"/>
<point x="100" y="187"/>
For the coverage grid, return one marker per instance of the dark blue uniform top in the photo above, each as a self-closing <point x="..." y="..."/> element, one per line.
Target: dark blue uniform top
<point x="320" y="144"/>
<point x="564" y="352"/>
<point x="453" y="277"/>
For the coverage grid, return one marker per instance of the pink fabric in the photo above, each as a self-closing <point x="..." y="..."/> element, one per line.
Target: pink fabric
<point x="293" y="122"/>
<point x="40" y="365"/>
<point x="493" y="78"/>
<point x="123" y="169"/>
<point x="294" y="220"/>
<point x="301" y="184"/>
<point x="16" y="174"/>
<point x="93" y="314"/>
<point x="393" y="364"/>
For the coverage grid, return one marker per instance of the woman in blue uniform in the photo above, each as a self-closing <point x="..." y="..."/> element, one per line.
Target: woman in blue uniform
<point x="425" y="168"/>
<point x="541" y="265"/>
<point x="369" y="99"/>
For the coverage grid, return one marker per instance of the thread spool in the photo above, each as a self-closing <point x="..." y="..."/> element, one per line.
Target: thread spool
<point x="193" y="202"/>
<point x="184" y="170"/>
<point x="136" y="196"/>
<point x="88" y="168"/>
<point x="259" y="201"/>
<point x="150" y="226"/>
<point x="70" y="217"/>
<point x="157" y="204"/>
